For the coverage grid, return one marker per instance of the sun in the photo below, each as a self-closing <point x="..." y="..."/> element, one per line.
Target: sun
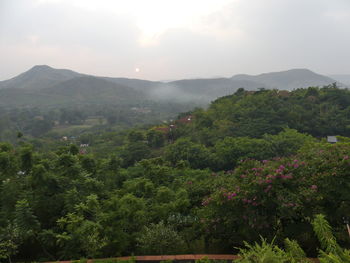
<point x="137" y="70"/>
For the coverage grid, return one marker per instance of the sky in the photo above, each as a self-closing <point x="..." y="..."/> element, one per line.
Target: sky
<point x="175" y="39"/>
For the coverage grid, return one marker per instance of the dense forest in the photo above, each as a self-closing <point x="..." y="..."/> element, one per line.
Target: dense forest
<point x="255" y="163"/>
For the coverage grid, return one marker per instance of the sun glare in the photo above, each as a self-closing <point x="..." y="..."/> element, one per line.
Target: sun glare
<point x="152" y="17"/>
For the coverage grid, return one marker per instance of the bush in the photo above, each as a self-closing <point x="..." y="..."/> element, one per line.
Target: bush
<point x="160" y="239"/>
<point x="263" y="253"/>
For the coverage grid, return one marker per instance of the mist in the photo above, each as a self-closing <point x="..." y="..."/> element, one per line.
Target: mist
<point x="175" y="40"/>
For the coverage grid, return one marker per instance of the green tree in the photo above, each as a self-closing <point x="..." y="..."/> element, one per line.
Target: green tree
<point x="184" y="150"/>
<point x="155" y="138"/>
<point x="160" y="239"/>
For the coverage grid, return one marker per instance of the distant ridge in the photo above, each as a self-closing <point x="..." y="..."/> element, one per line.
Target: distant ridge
<point x="43" y="85"/>
<point x="289" y="79"/>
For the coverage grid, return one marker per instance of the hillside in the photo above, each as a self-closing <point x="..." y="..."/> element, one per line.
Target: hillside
<point x="210" y="89"/>
<point x="39" y="77"/>
<point x="22" y="98"/>
<point x="88" y="89"/>
<point x="289" y="79"/>
<point x="207" y="90"/>
<point x="137" y="84"/>
<point x="251" y="162"/>
<point x="65" y="86"/>
<point x="76" y="91"/>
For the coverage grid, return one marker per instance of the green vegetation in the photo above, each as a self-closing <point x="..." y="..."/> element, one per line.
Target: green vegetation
<point x="269" y="253"/>
<point x="212" y="181"/>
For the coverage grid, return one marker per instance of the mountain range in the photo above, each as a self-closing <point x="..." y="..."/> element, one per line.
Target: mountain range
<point x="46" y="86"/>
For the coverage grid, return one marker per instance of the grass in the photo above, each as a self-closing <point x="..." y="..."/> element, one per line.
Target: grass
<point x="73" y="129"/>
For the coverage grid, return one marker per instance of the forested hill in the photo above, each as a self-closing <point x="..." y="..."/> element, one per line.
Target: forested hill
<point x="259" y="125"/>
<point x="204" y="183"/>
<point x="316" y="111"/>
<point x="248" y="124"/>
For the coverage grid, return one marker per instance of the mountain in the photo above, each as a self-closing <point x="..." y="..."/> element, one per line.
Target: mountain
<point x="75" y="91"/>
<point x="14" y="97"/>
<point x="289" y="79"/>
<point x="43" y="76"/>
<point x="39" y="77"/>
<point x="89" y="89"/>
<point x="209" y="89"/>
<point x="137" y="84"/>
<point x="44" y="85"/>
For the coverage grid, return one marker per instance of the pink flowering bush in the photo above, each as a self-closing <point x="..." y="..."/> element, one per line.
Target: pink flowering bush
<point x="277" y="197"/>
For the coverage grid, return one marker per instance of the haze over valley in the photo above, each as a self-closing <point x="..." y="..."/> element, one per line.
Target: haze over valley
<point x="46" y="86"/>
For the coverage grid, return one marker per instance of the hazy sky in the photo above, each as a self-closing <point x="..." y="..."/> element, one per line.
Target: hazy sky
<point x="173" y="39"/>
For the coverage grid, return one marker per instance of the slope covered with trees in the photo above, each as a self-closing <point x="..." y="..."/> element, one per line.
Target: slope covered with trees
<point x="253" y="163"/>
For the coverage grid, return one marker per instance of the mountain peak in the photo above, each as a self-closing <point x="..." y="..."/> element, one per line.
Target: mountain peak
<point x="41" y="68"/>
<point x="39" y="77"/>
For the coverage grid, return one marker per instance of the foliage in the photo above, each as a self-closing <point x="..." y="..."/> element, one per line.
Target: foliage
<point x="268" y="252"/>
<point x="263" y="253"/>
<point x="160" y="239"/>
<point x="244" y="167"/>
<point x="294" y="251"/>
<point x="332" y="252"/>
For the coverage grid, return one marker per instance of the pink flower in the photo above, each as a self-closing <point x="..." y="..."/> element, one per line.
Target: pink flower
<point x="313" y="187"/>
<point x="231" y="195"/>
<point x="288" y="176"/>
<point x="346" y="157"/>
<point x="206" y="201"/>
<point x="268" y="188"/>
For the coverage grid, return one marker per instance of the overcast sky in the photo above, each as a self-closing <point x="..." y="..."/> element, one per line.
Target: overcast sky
<point x="173" y="39"/>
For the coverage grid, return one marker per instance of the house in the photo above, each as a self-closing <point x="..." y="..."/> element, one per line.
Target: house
<point x="332" y="139"/>
<point x="185" y="120"/>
